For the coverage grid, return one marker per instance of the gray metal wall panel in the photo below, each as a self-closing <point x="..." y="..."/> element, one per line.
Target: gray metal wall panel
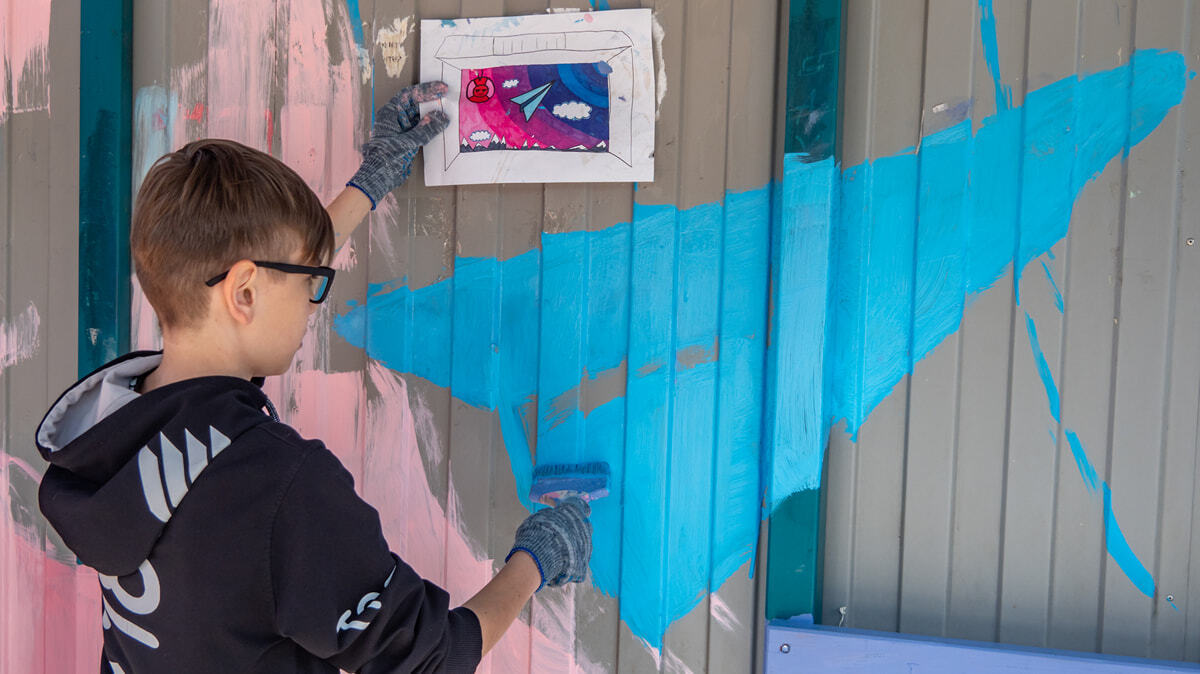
<point x="959" y="508"/>
<point x="720" y="76"/>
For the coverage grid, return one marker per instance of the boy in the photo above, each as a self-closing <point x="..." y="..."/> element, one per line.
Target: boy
<point x="225" y="542"/>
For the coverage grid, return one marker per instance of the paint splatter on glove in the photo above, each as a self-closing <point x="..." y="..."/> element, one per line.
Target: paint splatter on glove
<point x="399" y="132"/>
<point x="560" y="541"/>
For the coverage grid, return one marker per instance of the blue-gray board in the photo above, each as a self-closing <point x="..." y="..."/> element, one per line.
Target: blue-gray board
<point x="821" y="648"/>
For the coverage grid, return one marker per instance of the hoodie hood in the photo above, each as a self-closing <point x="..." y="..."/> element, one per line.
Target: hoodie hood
<point x="121" y="463"/>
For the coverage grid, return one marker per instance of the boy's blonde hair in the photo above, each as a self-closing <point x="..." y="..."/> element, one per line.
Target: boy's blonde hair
<point x="209" y="204"/>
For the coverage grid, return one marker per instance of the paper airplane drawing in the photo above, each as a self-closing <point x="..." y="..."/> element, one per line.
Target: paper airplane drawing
<point x="530" y="100"/>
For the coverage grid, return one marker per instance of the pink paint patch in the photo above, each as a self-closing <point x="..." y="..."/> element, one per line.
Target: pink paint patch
<point x="320" y="106"/>
<point x="431" y="539"/>
<point x="24" y="40"/>
<point x="49" y="609"/>
<point x="19" y="339"/>
<point x="241" y="64"/>
<point x="326" y="407"/>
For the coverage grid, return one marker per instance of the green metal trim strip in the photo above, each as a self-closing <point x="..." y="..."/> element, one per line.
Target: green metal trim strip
<point x="105" y="174"/>
<point x="814" y="62"/>
<point x="806" y="206"/>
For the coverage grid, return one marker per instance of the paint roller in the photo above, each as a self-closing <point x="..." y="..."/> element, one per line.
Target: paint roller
<point x="555" y="482"/>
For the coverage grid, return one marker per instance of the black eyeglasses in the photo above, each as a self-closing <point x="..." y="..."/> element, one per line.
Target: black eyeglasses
<point x="322" y="277"/>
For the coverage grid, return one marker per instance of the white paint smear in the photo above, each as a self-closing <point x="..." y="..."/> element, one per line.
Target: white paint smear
<point x="724" y="615"/>
<point x="660" y="70"/>
<point x="19" y="339"/>
<point x="391" y="41"/>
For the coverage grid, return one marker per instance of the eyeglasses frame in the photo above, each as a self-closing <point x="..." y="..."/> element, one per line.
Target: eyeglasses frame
<point x="288" y="268"/>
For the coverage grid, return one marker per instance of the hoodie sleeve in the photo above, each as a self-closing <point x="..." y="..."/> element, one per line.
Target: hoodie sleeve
<point x="344" y="597"/>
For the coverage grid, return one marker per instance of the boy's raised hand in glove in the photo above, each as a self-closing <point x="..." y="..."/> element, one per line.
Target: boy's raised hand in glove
<point x="398" y="133"/>
<point x="560" y="541"/>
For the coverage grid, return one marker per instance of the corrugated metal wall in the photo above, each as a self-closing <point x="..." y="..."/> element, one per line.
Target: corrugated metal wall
<point x="1031" y="481"/>
<point x="1034" y="480"/>
<point x="474" y="328"/>
<point x="45" y="599"/>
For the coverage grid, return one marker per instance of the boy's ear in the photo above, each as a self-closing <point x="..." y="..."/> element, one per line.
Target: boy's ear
<point x="239" y="292"/>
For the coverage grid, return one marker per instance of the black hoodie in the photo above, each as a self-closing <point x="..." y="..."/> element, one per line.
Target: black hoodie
<point x="225" y="542"/>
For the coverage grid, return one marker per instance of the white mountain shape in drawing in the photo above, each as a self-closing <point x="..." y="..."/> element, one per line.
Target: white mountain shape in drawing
<point x="602" y="144"/>
<point x="580" y="146"/>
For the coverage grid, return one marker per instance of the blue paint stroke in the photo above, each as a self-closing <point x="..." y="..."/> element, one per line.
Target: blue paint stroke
<point x="364" y="56"/>
<point x="1058" y="297"/>
<point x="640" y="294"/>
<point x="1172" y="603"/>
<point x="154" y="111"/>
<point x="355" y="23"/>
<point x="987" y="32"/>
<point x="1086" y="470"/>
<point x="1043" y="369"/>
<point x="798" y="418"/>
<point x="985" y="197"/>
<point x="1118" y="547"/>
<point x="1119" y="550"/>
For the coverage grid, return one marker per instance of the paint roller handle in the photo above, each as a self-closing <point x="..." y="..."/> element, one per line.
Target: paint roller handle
<point x="398" y="133"/>
<point x="560" y="541"/>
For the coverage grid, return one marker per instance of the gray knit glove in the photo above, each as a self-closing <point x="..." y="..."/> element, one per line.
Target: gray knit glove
<point x="560" y="541"/>
<point x="398" y="133"/>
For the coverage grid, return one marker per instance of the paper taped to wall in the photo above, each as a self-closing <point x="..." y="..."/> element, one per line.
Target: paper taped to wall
<point x="544" y="98"/>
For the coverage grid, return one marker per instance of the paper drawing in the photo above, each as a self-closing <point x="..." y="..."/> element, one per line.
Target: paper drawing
<point x="544" y="98"/>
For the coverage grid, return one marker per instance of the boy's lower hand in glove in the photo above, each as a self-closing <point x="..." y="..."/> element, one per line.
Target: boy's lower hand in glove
<point x="556" y="544"/>
<point x="559" y="540"/>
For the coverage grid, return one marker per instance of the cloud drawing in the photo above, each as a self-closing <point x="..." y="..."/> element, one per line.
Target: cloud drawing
<point x="573" y="110"/>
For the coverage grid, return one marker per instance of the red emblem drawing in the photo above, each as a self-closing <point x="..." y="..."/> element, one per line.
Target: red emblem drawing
<point x="481" y="90"/>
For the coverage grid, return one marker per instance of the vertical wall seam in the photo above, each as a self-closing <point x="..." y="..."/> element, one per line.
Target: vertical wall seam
<point x="1118" y="286"/>
<point x="1169" y="332"/>
<point x="912" y="328"/>
<point x="1060" y="367"/>
<point x="868" y="139"/>
<point x="1173" y="294"/>
<point x="671" y="364"/>
<point x="714" y="464"/>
